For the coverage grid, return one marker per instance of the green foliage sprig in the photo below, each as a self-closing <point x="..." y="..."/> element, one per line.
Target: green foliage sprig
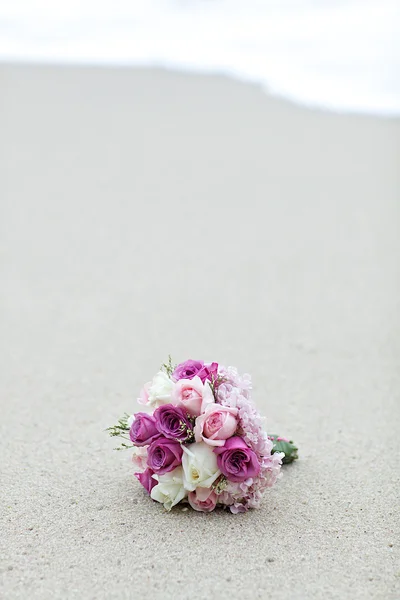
<point x="168" y="367"/>
<point x="120" y="430"/>
<point x="283" y="445"/>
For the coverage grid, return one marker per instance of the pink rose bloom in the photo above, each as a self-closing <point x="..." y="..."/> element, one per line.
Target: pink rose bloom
<point x="196" y="368"/>
<point x="217" y="424"/>
<point x="164" y="455"/>
<point x="192" y="395"/>
<point x="237" y="461"/>
<point x="209" y="372"/>
<point x="144" y="394"/>
<point x="139" y="459"/>
<point x="173" y="422"/>
<point x="143" y="430"/>
<point x="203" y="499"/>
<point x="146" y="479"/>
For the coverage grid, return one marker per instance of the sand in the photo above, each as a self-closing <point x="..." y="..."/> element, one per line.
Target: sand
<point x="145" y="213"/>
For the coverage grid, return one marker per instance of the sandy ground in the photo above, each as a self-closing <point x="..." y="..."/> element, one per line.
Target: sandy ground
<point x="146" y="213"/>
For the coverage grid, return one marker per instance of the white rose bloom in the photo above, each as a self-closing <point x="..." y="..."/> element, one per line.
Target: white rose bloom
<point x="160" y="390"/>
<point x="199" y="466"/>
<point x="169" y="490"/>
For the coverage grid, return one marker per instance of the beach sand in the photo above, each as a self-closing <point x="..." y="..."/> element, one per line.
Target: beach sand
<point x="145" y="213"/>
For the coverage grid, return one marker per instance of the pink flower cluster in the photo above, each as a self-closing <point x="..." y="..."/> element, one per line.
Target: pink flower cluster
<point x="200" y="439"/>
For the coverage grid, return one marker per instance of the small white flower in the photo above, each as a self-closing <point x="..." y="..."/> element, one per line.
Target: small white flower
<point x="199" y="466"/>
<point x="169" y="490"/>
<point x="130" y="420"/>
<point x="160" y="390"/>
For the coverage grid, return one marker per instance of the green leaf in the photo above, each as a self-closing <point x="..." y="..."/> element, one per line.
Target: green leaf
<point x="282" y="444"/>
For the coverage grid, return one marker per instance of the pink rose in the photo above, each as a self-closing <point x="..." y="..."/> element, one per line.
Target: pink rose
<point x="192" y="395"/>
<point x="143" y="430"/>
<point x="187" y="369"/>
<point x="164" y="455"/>
<point x="237" y="461"/>
<point x="139" y="459"/>
<point x="217" y="424"/>
<point x="193" y="368"/>
<point x="209" y="372"/>
<point x="146" y="479"/>
<point x="203" y="499"/>
<point x="173" y="422"/>
<point x="144" y="394"/>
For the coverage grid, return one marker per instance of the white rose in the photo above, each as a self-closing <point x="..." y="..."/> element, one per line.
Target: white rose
<point x="199" y="466"/>
<point x="169" y="490"/>
<point x="160" y="390"/>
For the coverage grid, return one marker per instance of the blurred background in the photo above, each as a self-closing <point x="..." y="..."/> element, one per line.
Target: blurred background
<point x="213" y="180"/>
<point x="340" y="54"/>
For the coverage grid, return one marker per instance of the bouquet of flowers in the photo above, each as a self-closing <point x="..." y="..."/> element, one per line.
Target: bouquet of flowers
<point x="199" y="439"/>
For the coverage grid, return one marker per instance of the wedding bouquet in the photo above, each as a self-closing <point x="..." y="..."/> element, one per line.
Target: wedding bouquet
<point x="199" y="439"/>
